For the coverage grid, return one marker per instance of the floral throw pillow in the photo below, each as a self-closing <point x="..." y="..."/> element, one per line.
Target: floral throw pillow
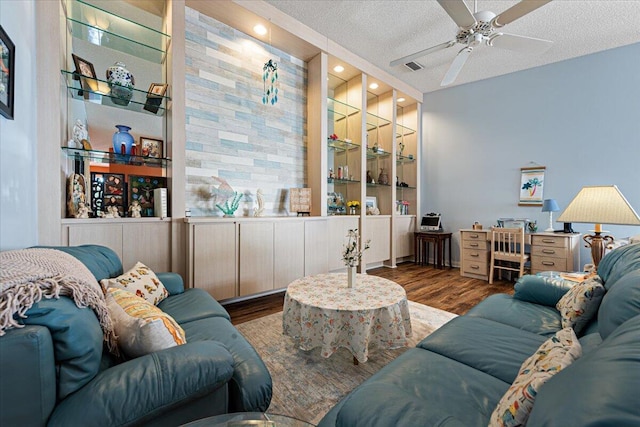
<point x="141" y="281"/>
<point x="552" y="356"/>
<point x="142" y="328"/>
<point x="580" y="303"/>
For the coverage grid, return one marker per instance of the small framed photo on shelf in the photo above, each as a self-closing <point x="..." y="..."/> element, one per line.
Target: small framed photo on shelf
<point x="108" y="189"/>
<point x="151" y="147"/>
<point x="371" y="202"/>
<point x="7" y="74"/>
<point x="155" y="95"/>
<point x="85" y="73"/>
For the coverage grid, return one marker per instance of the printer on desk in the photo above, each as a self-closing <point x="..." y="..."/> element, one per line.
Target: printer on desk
<point x="431" y="222"/>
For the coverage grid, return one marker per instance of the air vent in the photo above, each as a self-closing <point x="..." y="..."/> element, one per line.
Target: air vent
<point x="413" y="66"/>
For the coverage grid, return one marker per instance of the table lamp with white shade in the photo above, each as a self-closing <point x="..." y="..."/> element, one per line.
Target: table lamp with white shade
<point x="599" y="204"/>
<point x="551" y="206"/>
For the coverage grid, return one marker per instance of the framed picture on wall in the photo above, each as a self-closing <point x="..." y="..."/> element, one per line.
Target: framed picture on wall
<point x="7" y="74"/>
<point x="141" y="189"/>
<point x="531" y="186"/>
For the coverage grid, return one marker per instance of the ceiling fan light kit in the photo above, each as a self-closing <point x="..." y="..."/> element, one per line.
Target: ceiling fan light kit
<point x="478" y="28"/>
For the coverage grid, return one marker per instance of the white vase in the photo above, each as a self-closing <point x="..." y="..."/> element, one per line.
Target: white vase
<point x="351" y="277"/>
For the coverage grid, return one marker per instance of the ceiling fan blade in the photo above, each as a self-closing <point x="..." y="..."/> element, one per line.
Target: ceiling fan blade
<point x="456" y="66"/>
<point x="459" y="12"/>
<point x="517" y="11"/>
<point x="520" y="43"/>
<point x="422" y="53"/>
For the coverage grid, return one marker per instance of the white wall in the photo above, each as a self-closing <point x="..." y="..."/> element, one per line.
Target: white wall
<point x="18" y="201"/>
<point x="580" y="118"/>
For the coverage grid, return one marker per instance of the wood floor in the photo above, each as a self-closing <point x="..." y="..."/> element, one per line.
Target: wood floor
<point x="443" y="289"/>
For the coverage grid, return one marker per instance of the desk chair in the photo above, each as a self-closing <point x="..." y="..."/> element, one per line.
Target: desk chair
<point x="507" y="251"/>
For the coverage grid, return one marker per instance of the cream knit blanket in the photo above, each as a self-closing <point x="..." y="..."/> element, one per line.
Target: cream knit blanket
<point x="28" y="275"/>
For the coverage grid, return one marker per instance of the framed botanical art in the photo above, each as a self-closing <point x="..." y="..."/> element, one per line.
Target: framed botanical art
<point x="141" y="190"/>
<point x="531" y="186"/>
<point x="151" y="147"/>
<point x="7" y="74"/>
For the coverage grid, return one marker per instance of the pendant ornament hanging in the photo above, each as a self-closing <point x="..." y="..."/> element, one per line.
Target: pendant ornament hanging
<point x="270" y="80"/>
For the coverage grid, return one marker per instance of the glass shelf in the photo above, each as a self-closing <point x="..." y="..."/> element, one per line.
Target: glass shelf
<point x="340" y="109"/>
<point x="372" y="185"/>
<point x="405" y="160"/>
<point x="376" y="122"/>
<point x="109" y="157"/>
<point x="405" y="188"/>
<point x="402" y="131"/>
<point x="97" y="26"/>
<point x="376" y="154"/>
<point x="99" y="94"/>
<point x="340" y="145"/>
<point x="342" y="181"/>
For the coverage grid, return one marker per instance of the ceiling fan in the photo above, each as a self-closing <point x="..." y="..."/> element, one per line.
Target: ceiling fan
<point x="477" y="28"/>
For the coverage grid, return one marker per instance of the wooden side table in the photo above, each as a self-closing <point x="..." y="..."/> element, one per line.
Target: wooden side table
<point x="422" y="239"/>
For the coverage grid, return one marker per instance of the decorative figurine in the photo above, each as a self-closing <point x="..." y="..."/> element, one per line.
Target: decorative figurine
<point x="259" y="211"/>
<point x="83" y="211"/>
<point x="135" y="209"/>
<point x="79" y="134"/>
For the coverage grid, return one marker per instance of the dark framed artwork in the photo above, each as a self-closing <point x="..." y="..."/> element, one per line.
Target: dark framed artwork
<point x="7" y="74"/>
<point x="86" y="73"/>
<point x="108" y="189"/>
<point x="151" y="147"/>
<point x="154" y="96"/>
<point x="141" y="190"/>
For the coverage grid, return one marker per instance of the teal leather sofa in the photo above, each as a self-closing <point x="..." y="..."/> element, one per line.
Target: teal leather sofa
<point x="55" y="372"/>
<point x="457" y="375"/>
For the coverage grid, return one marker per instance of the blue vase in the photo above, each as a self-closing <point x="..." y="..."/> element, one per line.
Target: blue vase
<point x="122" y="137"/>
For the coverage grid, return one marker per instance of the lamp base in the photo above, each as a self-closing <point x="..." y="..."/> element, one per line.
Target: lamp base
<point x="598" y="244"/>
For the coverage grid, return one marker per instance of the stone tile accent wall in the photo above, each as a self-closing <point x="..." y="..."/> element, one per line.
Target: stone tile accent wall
<point x="230" y="133"/>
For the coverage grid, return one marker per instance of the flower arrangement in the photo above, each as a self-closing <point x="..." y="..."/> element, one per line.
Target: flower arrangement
<point x="351" y="254"/>
<point x="353" y="204"/>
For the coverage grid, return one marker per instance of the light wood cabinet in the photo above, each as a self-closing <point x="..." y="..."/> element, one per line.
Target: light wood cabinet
<point x="144" y="240"/>
<point x="316" y="247"/>
<point x="213" y="260"/>
<point x="404" y="227"/>
<point x="474" y="254"/>
<point x="289" y="252"/>
<point x="256" y="257"/>
<point x="378" y="230"/>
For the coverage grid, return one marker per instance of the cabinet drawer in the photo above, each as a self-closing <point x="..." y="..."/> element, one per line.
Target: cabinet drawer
<point x="476" y="267"/>
<point x="474" y="244"/>
<point x="549" y="241"/>
<point x="548" y="264"/>
<point x="473" y="235"/>
<point x="472" y="255"/>
<point x="549" y="252"/>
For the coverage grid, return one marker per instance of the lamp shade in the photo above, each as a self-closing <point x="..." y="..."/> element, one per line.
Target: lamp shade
<point x="550" y="205"/>
<point x="603" y="204"/>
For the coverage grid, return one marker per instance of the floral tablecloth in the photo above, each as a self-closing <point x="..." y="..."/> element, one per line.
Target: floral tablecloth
<point x="321" y="311"/>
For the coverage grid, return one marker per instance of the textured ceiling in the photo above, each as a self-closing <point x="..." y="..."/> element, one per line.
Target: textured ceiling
<point x="381" y="31"/>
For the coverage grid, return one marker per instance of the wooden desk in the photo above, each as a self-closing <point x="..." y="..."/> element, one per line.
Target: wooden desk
<point x="422" y="239"/>
<point x="549" y="252"/>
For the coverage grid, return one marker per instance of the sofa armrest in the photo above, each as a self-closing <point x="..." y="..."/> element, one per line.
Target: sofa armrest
<point x="541" y="290"/>
<point x="28" y="372"/>
<point x="144" y="388"/>
<point x="172" y="281"/>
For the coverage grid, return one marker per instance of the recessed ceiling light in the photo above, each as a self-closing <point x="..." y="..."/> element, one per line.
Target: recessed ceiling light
<point x="260" y="29"/>
<point x="373" y="86"/>
<point x="338" y="68"/>
<point x="401" y="99"/>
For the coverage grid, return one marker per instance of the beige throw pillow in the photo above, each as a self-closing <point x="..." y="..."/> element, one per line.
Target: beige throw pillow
<point x="141" y="281"/>
<point x="141" y="327"/>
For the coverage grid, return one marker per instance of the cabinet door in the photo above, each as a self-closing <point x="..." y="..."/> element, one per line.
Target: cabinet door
<point x="404" y="228"/>
<point x="288" y="248"/>
<point x="214" y="259"/>
<point x="379" y="231"/>
<point x="256" y="257"/>
<point x="316" y="247"/>
<point x="109" y="235"/>
<point x="149" y="243"/>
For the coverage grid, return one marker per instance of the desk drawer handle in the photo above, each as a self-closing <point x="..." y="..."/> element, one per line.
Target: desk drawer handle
<point x="475" y="267"/>
<point x="548" y="251"/>
<point x="548" y="240"/>
<point x="473" y="236"/>
<point x="474" y="254"/>
<point x="548" y="263"/>
<point x="474" y="245"/>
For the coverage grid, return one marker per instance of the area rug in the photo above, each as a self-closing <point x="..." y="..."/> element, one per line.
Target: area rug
<point x="305" y="384"/>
